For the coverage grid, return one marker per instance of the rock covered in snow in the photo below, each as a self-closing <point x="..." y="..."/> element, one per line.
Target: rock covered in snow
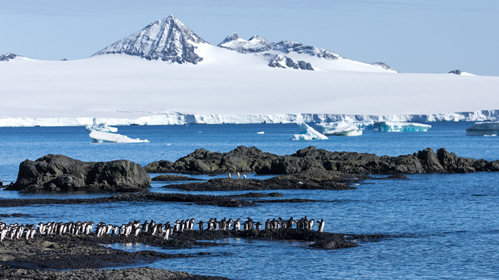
<point x="9" y="56"/>
<point x="167" y="39"/>
<point x="308" y="133"/>
<point x="455" y="72"/>
<point x="257" y="44"/>
<point x="384" y="66"/>
<point x="282" y="61"/>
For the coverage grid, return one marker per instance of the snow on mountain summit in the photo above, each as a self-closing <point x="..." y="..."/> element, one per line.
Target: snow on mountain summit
<point x="167" y="39"/>
<point x="257" y="44"/>
<point x="9" y="56"/>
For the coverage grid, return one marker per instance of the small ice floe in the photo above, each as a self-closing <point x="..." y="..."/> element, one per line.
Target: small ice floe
<point x="100" y="127"/>
<point x="260" y="132"/>
<point x="400" y="127"/>
<point x="339" y="129"/>
<point x="308" y="133"/>
<point x="483" y="129"/>
<point x="106" y="137"/>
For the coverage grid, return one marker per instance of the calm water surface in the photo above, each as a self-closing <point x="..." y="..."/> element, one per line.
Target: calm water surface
<point x="443" y="225"/>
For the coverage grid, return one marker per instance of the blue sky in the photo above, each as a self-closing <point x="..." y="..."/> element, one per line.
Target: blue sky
<point x="416" y="36"/>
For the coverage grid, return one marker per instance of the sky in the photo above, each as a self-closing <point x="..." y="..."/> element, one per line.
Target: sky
<point x="411" y="36"/>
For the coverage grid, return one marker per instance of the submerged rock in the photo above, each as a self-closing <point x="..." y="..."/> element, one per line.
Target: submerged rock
<point x="61" y="173"/>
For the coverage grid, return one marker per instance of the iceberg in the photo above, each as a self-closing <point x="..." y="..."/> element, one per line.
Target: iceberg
<point x="400" y="127"/>
<point x="308" y="133"/>
<point x="106" y="137"/>
<point x="342" y="128"/>
<point x="103" y="127"/>
<point x="483" y="129"/>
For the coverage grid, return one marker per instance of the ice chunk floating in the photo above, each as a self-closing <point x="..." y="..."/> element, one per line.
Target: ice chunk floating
<point x="400" y="127"/>
<point x="483" y="129"/>
<point x="339" y="129"/>
<point x="106" y="137"/>
<point x="103" y="127"/>
<point x="308" y="133"/>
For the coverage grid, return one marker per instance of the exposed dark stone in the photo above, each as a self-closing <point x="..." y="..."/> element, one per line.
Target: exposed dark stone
<point x="61" y="173"/>
<point x="174" y="178"/>
<point x="455" y="72"/>
<point x="334" y="244"/>
<point x="244" y="159"/>
<point x="309" y="179"/>
<point x="136" y="273"/>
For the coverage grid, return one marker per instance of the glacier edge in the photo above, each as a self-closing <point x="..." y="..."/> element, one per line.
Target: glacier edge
<point x="174" y="118"/>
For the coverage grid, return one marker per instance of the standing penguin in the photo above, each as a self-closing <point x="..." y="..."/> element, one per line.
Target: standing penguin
<point x="320" y="225"/>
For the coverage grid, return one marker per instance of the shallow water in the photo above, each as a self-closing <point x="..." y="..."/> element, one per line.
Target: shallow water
<point x="443" y="225"/>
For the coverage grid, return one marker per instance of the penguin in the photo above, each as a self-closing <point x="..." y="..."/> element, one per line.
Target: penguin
<point x="166" y="234"/>
<point x="201" y="225"/>
<point x="136" y="231"/>
<point x="311" y="224"/>
<point x="244" y="176"/>
<point x="116" y="230"/>
<point x="230" y="176"/>
<point x="320" y="225"/>
<point x="191" y="224"/>
<point x="258" y="226"/>
<point x="237" y="225"/>
<point x="238" y="175"/>
<point x="145" y="227"/>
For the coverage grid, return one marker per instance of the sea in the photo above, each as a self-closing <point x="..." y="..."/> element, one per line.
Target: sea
<point x="440" y="226"/>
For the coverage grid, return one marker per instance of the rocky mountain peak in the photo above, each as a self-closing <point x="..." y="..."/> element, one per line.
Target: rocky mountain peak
<point x="9" y="56"/>
<point x="230" y="38"/>
<point x="167" y="39"/>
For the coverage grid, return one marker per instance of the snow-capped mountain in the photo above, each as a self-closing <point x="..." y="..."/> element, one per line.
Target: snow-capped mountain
<point x="228" y="85"/>
<point x="167" y="39"/>
<point x="171" y="40"/>
<point x="257" y="44"/>
<point x="9" y="56"/>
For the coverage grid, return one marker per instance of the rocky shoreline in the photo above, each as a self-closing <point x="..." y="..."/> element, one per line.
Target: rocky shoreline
<point x="243" y="159"/>
<point x="145" y="196"/>
<point x="30" y="259"/>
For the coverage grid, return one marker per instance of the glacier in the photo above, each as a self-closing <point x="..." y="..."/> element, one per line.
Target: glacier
<point x="483" y="129"/>
<point x="175" y="118"/>
<point x="400" y="127"/>
<point x="106" y="137"/>
<point x="340" y="128"/>
<point x="165" y="74"/>
<point x="308" y="133"/>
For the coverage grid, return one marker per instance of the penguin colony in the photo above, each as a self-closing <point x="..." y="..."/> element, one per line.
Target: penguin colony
<point x="17" y="231"/>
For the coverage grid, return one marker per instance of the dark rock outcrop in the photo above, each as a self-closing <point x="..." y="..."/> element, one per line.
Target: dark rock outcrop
<point x="455" y="72"/>
<point x="61" y="173"/>
<point x="244" y="159"/>
<point x="135" y="273"/>
<point x="173" y="178"/>
<point x="241" y="159"/>
<point x="312" y="179"/>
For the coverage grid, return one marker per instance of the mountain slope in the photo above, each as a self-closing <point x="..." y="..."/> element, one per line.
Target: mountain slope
<point x="167" y="39"/>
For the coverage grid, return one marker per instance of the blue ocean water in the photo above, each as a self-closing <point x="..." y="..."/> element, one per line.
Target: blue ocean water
<point x="443" y="225"/>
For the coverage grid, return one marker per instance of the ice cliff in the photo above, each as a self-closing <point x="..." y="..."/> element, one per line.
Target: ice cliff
<point x="174" y="118"/>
